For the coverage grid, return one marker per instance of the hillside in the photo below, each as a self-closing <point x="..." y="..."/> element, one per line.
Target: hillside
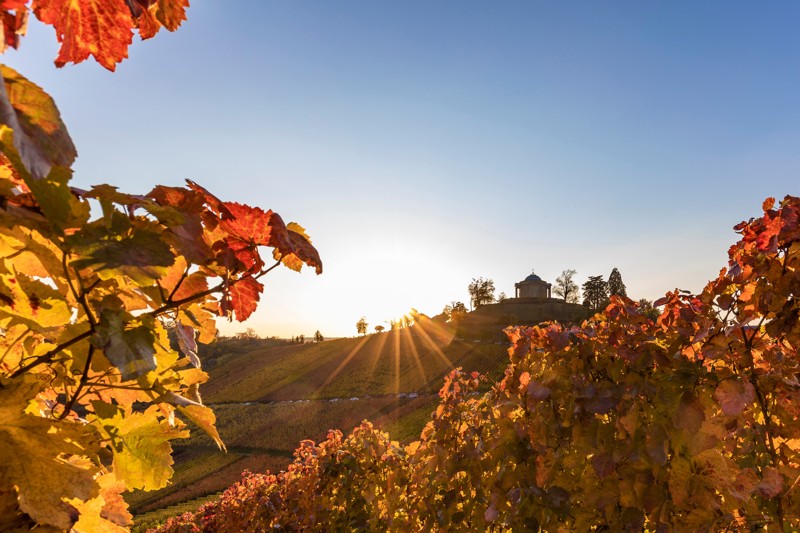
<point x="268" y="397"/>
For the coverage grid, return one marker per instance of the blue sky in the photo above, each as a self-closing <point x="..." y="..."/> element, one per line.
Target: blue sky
<point x="426" y="143"/>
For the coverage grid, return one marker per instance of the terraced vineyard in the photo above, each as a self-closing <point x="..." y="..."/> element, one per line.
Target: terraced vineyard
<point x="267" y="400"/>
<point x="148" y="520"/>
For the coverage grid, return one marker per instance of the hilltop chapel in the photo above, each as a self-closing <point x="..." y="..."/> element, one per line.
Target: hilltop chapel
<point x="532" y="304"/>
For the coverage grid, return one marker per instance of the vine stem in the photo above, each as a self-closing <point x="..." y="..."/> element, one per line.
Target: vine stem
<point x="49" y="356"/>
<point x="81" y="385"/>
<point x="762" y="403"/>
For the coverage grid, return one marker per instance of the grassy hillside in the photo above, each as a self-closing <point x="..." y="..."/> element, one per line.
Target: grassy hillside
<point x="394" y="362"/>
<point x="268" y="397"/>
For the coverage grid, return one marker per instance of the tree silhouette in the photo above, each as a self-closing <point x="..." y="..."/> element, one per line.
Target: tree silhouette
<point x="595" y="293"/>
<point x="615" y="285"/>
<point x="318" y="337"/>
<point x="481" y="292"/>
<point x="361" y="326"/>
<point x="566" y="287"/>
<point x="454" y="311"/>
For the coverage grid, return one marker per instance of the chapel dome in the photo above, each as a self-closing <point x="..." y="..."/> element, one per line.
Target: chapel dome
<point x="533" y="277"/>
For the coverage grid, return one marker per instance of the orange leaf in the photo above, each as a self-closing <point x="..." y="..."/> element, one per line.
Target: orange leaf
<point x="294" y="249"/>
<point x="171" y="13"/>
<point x="147" y="23"/>
<point x="101" y="28"/>
<point x="14" y="24"/>
<point x="244" y="296"/>
<point x="250" y="225"/>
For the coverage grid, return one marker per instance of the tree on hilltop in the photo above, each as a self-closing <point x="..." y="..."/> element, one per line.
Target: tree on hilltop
<point x="318" y="337"/>
<point x="481" y="292"/>
<point x="615" y="285"/>
<point x="379" y="328"/>
<point x="361" y="326"/>
<point x="455" y="311"/>
<point x="595" y="293"/>
<point x="566" y="287"/>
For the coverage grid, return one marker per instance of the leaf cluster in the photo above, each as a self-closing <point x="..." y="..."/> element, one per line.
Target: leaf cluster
<point x="91" y="389"/>
<point x="102" y="29"/>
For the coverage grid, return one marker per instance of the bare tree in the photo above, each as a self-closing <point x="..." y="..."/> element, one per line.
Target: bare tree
<point x="566" y="287"/>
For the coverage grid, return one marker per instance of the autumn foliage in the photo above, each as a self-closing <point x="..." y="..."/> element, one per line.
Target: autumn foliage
<point x="685" y="423"/>
<point x="92" y="390"/>
<point x="102" y="29"/>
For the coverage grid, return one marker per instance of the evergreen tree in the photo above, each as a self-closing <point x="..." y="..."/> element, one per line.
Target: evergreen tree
<point x="615" y="285"/>
<point x="595" y="293"/>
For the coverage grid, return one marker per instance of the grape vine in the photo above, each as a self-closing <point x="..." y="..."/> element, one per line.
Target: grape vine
<point x="685" y="423"/>
<point x="92" y="389"/>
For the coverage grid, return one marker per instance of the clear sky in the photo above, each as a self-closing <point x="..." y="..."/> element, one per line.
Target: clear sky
<point x="426" y="143"/>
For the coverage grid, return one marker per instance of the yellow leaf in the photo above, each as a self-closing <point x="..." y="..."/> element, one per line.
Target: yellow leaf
<point x="679" y="477"/>
<point x="142" y="452"/>
<point x="42" y="459"/>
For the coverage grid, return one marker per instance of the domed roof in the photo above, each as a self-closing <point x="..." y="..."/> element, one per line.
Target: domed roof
<point x="533" y="277"/>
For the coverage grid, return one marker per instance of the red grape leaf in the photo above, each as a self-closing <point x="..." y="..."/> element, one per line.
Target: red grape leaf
<point x="14" y="24"/>
<point x="250" y="225"/>
<point x="217" y="206"/>
<point x="12" y="4"/>
<point x="100" y="28"/>
<point x="243" y="297"/>
<point x="767" y="239"/>
<point x="771" y="484"/>
<point x="734" y="396"/>
<point x="189" y="201"/>
<point x="146" y="21"/>
<point x="299" y="250"/>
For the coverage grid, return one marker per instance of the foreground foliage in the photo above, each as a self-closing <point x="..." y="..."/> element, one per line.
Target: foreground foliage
<point x="689" y="422"/>
<point x="91" y="389"/>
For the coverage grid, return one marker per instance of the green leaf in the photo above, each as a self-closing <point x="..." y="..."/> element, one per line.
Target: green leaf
<point x="131" y="350"/>
<point x="140" y="254"/>
<point x="62" y="209"/>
